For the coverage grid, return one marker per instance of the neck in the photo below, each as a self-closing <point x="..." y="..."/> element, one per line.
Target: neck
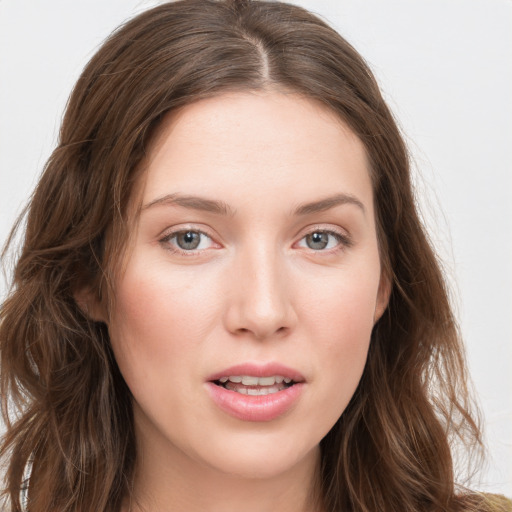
<point x="207" y="491"/>
<point x="166" y="479"/>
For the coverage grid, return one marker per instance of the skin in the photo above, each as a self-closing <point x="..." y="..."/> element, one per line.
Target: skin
<point x="253" y="291"/>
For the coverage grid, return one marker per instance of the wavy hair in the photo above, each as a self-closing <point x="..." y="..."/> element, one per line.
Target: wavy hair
<point x="67" y="408"/>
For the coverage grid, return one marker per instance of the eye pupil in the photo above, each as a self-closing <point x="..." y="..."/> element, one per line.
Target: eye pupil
<point x="317" y="240"/>
<point x="188" y="240"/>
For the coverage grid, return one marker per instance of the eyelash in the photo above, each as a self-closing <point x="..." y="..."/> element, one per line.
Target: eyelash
<point x="174" y="248"/>
<point x="344" y="241"/>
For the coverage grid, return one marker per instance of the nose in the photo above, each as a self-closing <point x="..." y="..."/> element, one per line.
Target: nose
<point x="259" y="296"/>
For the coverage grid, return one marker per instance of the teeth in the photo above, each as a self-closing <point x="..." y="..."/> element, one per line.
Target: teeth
<point x="266" y="381"/>
<point x="261" y="391"/>
<point x="247" y="380"/>
<point x="250" y="380"/>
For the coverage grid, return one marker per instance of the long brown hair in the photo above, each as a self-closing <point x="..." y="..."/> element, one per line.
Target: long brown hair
<point x="67" y="409"/>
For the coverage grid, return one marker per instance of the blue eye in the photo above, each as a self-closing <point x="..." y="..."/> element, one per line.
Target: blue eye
<point x="188" y="240"/>
<point x="321" y="240"/>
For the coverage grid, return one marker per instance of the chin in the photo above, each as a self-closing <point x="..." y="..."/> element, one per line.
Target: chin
<point x="263" y="459"/>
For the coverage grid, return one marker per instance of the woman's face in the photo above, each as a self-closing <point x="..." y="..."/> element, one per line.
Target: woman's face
<point x="254" y="259"/>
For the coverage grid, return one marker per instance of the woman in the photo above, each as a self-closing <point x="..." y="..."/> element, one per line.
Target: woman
<point x="225" y="298"/>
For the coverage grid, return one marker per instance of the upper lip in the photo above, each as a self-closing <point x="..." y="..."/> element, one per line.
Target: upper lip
<point x="259" y="370"/>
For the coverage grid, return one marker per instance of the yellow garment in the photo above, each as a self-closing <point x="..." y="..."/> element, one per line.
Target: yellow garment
<point x="498" y="503"/>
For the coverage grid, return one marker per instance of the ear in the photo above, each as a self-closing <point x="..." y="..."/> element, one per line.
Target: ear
<point x="383" y="294"/>
<point x="91" y="305"/>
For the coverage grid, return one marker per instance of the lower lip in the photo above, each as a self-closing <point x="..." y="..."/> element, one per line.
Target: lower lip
<point x="254" y="408"/>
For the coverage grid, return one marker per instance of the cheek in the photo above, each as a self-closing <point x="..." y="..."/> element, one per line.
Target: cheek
<point x="340" y="321"/>
<point x="343" y="334"/>
<point x="159" y="319"/>
<point x="342" y="305"/>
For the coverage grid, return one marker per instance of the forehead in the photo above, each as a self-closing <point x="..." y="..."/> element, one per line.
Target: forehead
<point x="255" y="143"/>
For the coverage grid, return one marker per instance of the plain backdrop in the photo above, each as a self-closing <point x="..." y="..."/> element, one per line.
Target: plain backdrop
<point x="445" y="67"/>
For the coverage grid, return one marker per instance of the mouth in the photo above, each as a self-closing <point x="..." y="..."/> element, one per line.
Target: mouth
<point x="256" y="392"/>
<point x="253" y="385"/>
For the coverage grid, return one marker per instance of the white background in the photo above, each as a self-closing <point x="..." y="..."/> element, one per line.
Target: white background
<point x="445" y="67"/>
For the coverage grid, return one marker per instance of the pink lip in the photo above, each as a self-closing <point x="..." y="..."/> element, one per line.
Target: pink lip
<point x="256" y="408"/>
<point x="259" y="370"/>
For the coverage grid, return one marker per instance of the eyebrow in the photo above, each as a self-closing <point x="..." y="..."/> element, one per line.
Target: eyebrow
<point x="327" y="203"/>
<point x="222" y="208"/>
<point x="193" y="203"/>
